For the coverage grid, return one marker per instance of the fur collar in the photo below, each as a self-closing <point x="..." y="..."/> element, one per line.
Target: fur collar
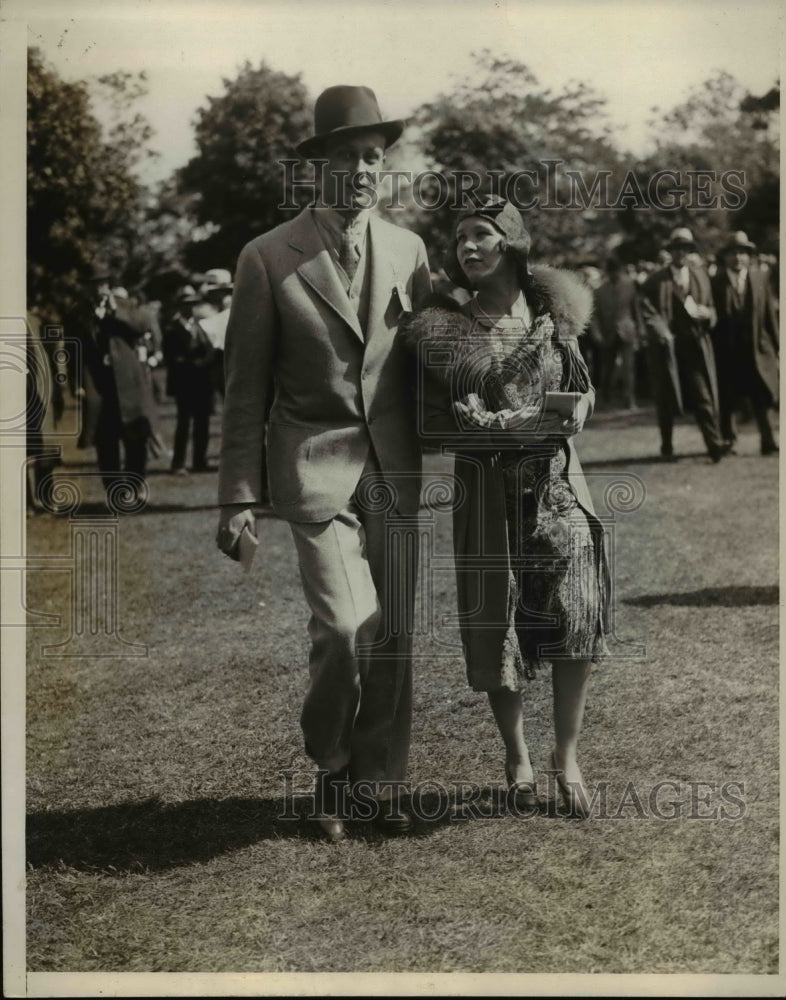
<point x="556" y="294"/>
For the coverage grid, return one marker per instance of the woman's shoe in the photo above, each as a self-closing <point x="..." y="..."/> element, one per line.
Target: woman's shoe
<point x="574" y="794"/>
<point x="522" y="793"/>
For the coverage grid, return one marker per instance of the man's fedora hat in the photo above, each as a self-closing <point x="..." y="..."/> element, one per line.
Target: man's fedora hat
<point x="343" y="110"/>
<point x="681" y="237"/>
<point x="740" y="241"/>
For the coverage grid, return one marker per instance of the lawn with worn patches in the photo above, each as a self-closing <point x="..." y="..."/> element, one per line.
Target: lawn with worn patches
<point x="155" y="799"/>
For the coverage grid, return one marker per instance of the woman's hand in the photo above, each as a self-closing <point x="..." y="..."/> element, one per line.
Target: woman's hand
<point x="575" y="424"/>
<point x="526" y="425"/>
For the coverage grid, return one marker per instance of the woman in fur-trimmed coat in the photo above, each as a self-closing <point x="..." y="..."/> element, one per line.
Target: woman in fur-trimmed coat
<point x="531" y="570"/>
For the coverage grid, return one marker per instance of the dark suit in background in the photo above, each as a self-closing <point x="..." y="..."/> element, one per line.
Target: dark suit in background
<point x="188" y="354"/>
<point x="680" y="355"/>
<point x="126" y="411"/>
<point x="746" y="350"/>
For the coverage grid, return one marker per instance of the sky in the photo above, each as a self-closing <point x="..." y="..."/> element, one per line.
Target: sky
<point x="637" y="54"/>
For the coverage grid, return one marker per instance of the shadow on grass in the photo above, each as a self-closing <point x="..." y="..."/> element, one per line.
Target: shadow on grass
<point x="154" y="836"/>
<point x="95" y="508"/>
<point x="610" y="463"/>
<point x="719" y="597"/>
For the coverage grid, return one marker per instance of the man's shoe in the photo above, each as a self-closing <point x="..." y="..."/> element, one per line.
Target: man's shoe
<point x="392" y="818"/>
<point x="770" y="448"/>
<point x="329" y="800"/>
<point x="180" y="470"/>
<point x="719" y="451"/>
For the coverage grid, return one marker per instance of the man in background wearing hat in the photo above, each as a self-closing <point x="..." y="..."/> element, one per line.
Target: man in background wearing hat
<point x="216" y="292"/>
<point x="619" y="322"/>
<point x="189" y="355"/>
<point x="126" y="411"/>
<point x="313" y="326"/>
<point x="678" y="314"/>
<point x="746" y="341"/>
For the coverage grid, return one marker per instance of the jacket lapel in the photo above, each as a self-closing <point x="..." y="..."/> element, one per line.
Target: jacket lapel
<point x="319" y="271"/>
<point x="383" y="277"/>
<point x="752" y="282"/>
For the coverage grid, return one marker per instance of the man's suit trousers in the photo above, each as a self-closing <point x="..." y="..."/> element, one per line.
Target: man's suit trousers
<point x="359" y="571"/>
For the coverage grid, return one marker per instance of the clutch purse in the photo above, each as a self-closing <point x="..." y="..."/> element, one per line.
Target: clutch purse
<point x="564" y="403"/>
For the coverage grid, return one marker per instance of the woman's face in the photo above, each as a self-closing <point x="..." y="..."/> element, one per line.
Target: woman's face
<point x="479" y="248"/>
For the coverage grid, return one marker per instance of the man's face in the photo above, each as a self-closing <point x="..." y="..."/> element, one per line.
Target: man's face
<point x="737" y="260"/>
<point x="349" y="178"/>
<point x="679" y="254"/>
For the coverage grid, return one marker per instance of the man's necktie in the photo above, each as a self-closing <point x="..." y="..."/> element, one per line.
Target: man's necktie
<point x="347" y="257"/>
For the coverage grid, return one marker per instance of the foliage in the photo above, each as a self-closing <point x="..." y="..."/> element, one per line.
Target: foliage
<point x="241" y="136"/>
<point x="508" y="123"/>
<point x="720" y="127"/>
<point x="83" y="197"/>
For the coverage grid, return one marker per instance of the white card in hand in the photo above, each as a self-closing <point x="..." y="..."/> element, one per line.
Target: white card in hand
<point x="247" y="547"/>
<point x="690" y="307"/>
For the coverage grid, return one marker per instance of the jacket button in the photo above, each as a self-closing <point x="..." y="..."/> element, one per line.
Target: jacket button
<point x="370" y="420"/>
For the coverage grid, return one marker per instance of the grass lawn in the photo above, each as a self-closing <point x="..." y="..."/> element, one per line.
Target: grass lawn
<point x="155" y="837"/>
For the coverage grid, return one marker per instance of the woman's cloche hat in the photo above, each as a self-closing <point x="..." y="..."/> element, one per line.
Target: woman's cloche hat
<point x="343" y="110"/>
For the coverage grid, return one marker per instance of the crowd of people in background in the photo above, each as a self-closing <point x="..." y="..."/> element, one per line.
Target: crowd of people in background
<point x="701" y="334"/>
<point x="694" y="332"/>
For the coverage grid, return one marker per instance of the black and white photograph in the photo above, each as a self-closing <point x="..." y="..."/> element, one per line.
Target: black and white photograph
<point x="389" y="439"/>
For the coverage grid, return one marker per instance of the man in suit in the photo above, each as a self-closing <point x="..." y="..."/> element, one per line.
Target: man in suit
<point x="678" y="314"/>
<point x="746" y="341"/>
<point x="188" y="354"/>
<point x="313" y="327"/>
<point x="126" y="409"/>
<point x="618" y="319"/>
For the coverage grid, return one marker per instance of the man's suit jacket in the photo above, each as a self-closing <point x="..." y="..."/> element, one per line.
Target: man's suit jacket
<point x="111" y="361"/>
<point x="663" y="308"/>
<point x="752" y="337"/>
<point x="188" y="355"/>
<point x="294" y="338"/>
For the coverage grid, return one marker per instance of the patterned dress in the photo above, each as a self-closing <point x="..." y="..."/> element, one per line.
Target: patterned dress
<point x="557" y="600"/>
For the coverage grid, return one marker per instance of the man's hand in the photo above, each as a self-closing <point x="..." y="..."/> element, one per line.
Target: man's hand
<point x="232" y="519"/>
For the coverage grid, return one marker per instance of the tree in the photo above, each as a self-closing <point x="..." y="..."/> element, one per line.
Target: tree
<point x="82" y="194"/>
<point x="723" y="143"/>
<point x="510" y="125"/>
<point x="242" y="135"/>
